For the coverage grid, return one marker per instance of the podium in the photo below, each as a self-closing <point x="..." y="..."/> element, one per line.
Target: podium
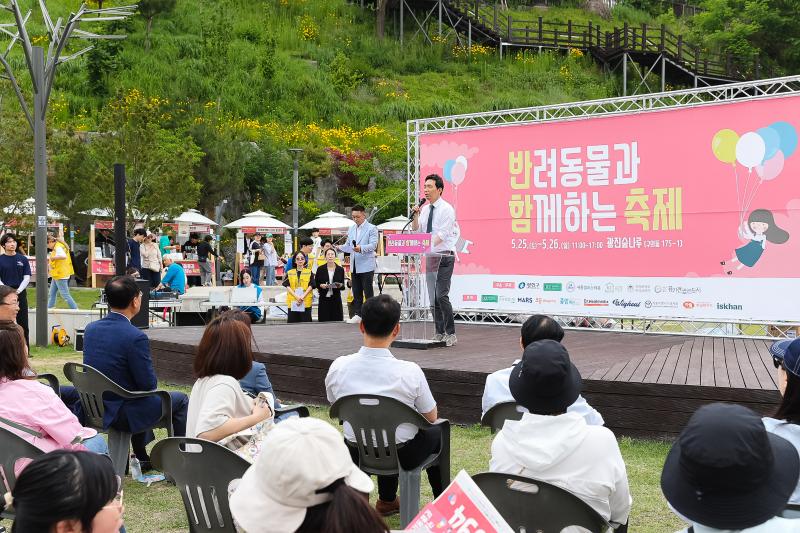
<point x="418" y="285"/>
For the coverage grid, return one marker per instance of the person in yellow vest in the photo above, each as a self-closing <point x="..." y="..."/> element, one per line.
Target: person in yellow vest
<point x="60" y="271"/>
<point x="299" y="282"/>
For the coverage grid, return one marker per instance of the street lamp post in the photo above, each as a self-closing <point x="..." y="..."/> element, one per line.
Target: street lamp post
<point x="218" y="219"/>
<point x="295" y="193"/>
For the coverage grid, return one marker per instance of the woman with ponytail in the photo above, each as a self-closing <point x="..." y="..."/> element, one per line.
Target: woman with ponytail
<point x="67" y="492"/>
<point x="306" y="483"/>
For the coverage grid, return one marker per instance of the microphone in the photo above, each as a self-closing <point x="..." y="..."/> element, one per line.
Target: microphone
<point x="422" y="201"/>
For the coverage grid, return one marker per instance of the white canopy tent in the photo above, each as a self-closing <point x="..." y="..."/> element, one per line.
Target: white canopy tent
<point x="193" y="216"/>
<point x="395" y="224"/>
<point x="330" y="222"/>
<point x="259" y="220"/>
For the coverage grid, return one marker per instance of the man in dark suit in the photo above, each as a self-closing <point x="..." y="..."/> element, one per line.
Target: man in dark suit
<point x="121" y="351"/>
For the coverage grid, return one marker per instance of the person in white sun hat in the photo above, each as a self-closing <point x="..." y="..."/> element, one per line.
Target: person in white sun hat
<point x="306" y="483"/>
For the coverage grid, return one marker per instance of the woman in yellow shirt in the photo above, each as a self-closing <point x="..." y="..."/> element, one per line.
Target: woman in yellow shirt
<point x="60" y="271"/>
<point x="299" y="282"/>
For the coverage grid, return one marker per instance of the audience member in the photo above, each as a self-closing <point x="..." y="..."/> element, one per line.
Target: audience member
<point x="204" y="249"/>
<point x="15" y="272"/>
<point x="253" y="311"/>
<point x="174" y="278"/>
<point x="218" y="407"/>
<point x="9" y="304"/>
<point x="536" y="328"/>
<point x="121" y="351"/>
<point x="306" y="245"/>
<point x="786" y="421"/>
<point x="256" y="258"/>
<point x="556" y="446"/>
<point x="67" y="492"/>
<point x="330" y="282"/>
<point x="306" y="483"/>
<point x="34" y="405"/>
<point x="726" y="473"/>
<point x="60" y="264"/>
<point x="374" y="370"/>
<point x="270" y="260"/>
<point x="134" y="248"/>
<point x="300" y="284"/>
<point x="151" y="260"/>
<point x="257" y="379"/>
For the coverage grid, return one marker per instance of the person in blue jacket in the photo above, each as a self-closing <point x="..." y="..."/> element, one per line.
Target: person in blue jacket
<point x="174" y="279"/>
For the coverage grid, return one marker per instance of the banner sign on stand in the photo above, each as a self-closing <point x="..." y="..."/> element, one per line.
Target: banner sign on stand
<point x="408" y="243"/>
<point x="103" y="266"/>
<point x="674" y="213"/>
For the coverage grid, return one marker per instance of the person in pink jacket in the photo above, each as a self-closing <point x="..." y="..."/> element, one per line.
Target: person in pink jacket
<point x="38" y="414"/>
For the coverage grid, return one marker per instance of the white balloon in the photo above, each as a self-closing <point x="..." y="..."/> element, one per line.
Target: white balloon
<point x="750" y="150"/>
<point x="463" y="160"/>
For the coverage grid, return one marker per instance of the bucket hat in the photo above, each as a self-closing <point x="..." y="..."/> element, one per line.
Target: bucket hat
<point x="545" y="381"/>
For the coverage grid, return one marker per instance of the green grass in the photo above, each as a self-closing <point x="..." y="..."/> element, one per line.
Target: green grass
<point x="158" y="508"/>
<point x="83" y="297"/>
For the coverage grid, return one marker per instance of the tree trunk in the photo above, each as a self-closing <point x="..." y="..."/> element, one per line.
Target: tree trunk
<point x="380" y="18"/>
<point x="147" y="33"/>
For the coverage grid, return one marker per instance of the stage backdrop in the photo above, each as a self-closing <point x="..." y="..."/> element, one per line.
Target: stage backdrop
<point x="690" y="213"/>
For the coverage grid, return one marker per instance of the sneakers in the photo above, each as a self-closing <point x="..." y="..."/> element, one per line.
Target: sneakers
<point x="387" y="508"/>
<point x="438" y="337"/>
<point x="355" y="320"/>
<point x="450" y="340"/>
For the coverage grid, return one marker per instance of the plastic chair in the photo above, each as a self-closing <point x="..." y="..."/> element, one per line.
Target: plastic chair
<point x="543" y="507"/>
<point x="91" y="385"/>
<point x="373" y="418"/>
<point x="12" y="448"/>
<point x="51" y="381"/>
<point x="301" y="410"/>
<point x="202" y="471"/>
<point x="497" y="415"/>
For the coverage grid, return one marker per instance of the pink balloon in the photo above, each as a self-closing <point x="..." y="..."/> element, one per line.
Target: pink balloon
<point x="770" y="168"/>
<point x="457" y="174"/>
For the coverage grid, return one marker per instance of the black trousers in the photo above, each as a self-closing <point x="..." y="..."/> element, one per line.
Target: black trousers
<point x="362" y="286"/>
<point x="411" y="454"/>
<point x="439" y="273"/>
<point x="22" y="314"/>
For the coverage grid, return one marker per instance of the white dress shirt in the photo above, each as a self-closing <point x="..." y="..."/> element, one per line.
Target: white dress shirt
<point x="376" y="371"/>
<point x="497" y="391"/>
<point x="444" y="225"/>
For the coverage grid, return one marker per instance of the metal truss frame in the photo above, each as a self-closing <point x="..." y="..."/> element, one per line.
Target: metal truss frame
<point x="718" y="94"/>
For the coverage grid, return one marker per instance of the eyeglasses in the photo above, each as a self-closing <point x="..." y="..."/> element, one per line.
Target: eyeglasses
<point x="118" y="497"/>
<point x="12" y="304"/>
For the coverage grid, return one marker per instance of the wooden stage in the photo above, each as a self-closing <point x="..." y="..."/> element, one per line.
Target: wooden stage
<point x="643" y="385"/>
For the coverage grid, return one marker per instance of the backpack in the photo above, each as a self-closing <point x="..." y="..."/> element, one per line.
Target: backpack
<point x="58" y="335"/>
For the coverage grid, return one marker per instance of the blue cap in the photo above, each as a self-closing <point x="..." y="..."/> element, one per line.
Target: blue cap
<point x="787" y="352"/>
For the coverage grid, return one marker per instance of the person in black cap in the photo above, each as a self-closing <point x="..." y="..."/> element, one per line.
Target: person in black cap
<point x="727" y="473"/>
<point x="786" y="420"/>
<point x="556" y="446"/>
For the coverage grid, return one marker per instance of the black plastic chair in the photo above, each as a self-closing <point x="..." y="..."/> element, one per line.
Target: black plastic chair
<point x="540" y="507"/>
<point x="374" y="420"/>
<point x="202" y="471"/>
<point x="497" y="415"/>
<point x="12" y="448"/>
<point x="91" y="385"/>
<point x="301" y="410"/>
<point x="52" y="381"/>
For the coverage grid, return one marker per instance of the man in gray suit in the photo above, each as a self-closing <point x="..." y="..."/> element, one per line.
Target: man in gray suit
<point x="362" y="240"/>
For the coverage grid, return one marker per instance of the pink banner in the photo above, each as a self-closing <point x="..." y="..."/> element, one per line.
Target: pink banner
<point x="706" y="192"/>
<point x="408" y="243"/>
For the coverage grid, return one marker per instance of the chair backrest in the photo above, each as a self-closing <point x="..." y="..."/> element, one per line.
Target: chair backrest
<point x="537" y="506"/>
<point x="202" y="471"/>
<point x="497" y="415"/>
<point x="51" y="381"/>
<point x="374" y="420"/>
<point x="90" y="384"/>
<point x="12" y="448"/>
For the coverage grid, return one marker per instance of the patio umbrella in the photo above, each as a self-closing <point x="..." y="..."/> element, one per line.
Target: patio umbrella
<point x="193" y="216"/>
<point x="259" y="220"/>
<point x="331" y="221"/>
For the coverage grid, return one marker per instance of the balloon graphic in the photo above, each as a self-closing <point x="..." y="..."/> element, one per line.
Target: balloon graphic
<point x="771" y="167"/>
<point x="448" y="169"/>
<point x="772" y="141"/>
<point x="750" y="150"/>
<point x="724" y="145"/>
<point x="458" y="174"/>
<point x="788" y="137"/>
<point x="463" y="160"/>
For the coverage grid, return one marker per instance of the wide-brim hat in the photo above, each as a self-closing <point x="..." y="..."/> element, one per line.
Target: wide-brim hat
<point x="726" y="471"/>
<point x="545" y="381"/>
<point x="300" y="458"/>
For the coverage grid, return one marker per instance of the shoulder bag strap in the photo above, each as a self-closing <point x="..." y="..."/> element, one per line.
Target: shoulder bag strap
<point x="20" y="427"/>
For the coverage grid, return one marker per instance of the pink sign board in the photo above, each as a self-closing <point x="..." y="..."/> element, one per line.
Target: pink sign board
<point x="690" y="212"/>
<point x="408" y="243"/>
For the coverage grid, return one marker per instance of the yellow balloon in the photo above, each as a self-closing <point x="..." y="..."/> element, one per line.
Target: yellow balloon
<point x="724" y="145"/>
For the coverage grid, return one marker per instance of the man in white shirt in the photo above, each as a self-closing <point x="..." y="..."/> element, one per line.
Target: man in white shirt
<point x="556" y="446"/>
<point x="536" y="328"/>
<point x="439" y="219"/>
<point x="374" y="370"/>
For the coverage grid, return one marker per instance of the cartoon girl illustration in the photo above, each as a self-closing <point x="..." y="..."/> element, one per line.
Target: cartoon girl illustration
<point x="759" y="228"/>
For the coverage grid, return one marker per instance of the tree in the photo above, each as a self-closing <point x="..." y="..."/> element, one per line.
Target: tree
<point x="16" y="164"/>
<point x="149" y="10"/>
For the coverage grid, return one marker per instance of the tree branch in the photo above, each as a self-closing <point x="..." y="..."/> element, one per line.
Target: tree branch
<point x="26" y="41"/>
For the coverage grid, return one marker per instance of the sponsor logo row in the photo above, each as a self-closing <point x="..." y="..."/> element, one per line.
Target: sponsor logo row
<point x="608" y="288"/>
<point x="597" y="302"/>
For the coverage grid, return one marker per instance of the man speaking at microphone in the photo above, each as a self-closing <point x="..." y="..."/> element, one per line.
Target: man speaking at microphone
<point x="362" y="241"/>
<point x="439" y="219"/>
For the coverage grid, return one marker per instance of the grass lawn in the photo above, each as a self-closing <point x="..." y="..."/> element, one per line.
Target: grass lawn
<point x="83" y="296"/>
<point x="158" y="508"/>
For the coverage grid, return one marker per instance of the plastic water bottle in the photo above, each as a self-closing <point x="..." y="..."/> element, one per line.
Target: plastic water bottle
<point x="136" y="468"/>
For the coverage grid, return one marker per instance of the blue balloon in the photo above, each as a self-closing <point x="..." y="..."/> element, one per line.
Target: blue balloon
<point x="788" y="137"/>
<point x="448" y="167"/>
<point x="772" y="141"/>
